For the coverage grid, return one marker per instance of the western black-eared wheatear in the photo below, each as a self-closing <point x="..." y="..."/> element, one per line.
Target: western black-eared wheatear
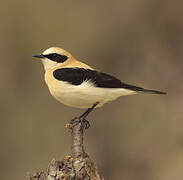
<point x="76" y="84"/>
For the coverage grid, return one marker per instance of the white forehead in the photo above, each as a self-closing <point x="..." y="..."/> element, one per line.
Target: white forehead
<point x="56" y="50"/>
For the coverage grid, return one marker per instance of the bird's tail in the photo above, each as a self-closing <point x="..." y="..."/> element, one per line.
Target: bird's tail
<point x="151" y="91"/>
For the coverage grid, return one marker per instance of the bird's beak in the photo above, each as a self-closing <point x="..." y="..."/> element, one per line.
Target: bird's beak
<point x="39" y="56"/>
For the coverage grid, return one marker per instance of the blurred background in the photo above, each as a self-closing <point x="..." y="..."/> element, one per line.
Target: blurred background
<point x="136" y="137"/>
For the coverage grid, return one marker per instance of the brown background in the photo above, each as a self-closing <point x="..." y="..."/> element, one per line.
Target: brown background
<point x="136" y="137"/>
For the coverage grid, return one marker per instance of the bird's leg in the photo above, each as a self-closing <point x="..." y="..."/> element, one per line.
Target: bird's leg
<point x="82" y="118"/>
<point x="85" y="114"/>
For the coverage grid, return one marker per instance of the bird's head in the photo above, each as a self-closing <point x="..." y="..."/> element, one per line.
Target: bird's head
<point x="53" y="57"/>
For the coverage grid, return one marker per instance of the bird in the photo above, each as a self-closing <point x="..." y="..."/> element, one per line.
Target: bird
<point x="78" y="85"/>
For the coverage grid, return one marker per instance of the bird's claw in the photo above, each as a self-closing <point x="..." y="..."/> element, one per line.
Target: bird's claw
<point x="85" y="123"/>
<point x="74" y="122"/>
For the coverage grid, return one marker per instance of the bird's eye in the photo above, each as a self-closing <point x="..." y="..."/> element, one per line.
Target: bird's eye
<point x="56" y="57"/>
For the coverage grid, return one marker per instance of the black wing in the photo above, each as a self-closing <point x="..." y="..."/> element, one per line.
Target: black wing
<point x="77" y="76"/>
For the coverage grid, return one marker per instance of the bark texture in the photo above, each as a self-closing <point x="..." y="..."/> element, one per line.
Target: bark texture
<point x="78" y="166"/>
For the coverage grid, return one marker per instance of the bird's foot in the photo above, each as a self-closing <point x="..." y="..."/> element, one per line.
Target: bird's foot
<point x="85" y="124"/>
<point x="74" y="122"/>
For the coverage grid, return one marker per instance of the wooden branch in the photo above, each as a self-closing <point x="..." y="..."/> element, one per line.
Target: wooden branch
<point x="78" y="166"/>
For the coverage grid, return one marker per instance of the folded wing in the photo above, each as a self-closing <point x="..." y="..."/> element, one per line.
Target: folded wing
<point x="77" y="76"/>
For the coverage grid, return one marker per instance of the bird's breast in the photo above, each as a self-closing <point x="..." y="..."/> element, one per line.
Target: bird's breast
<point x="57" y="88"/>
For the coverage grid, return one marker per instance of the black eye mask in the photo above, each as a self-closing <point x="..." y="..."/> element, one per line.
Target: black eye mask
<point x="56" y="57"/>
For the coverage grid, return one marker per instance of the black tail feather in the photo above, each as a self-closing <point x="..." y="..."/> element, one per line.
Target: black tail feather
<point x="151" y="91"/>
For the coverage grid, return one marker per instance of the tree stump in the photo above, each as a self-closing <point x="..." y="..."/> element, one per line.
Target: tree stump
<point x="78" y="166"/>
